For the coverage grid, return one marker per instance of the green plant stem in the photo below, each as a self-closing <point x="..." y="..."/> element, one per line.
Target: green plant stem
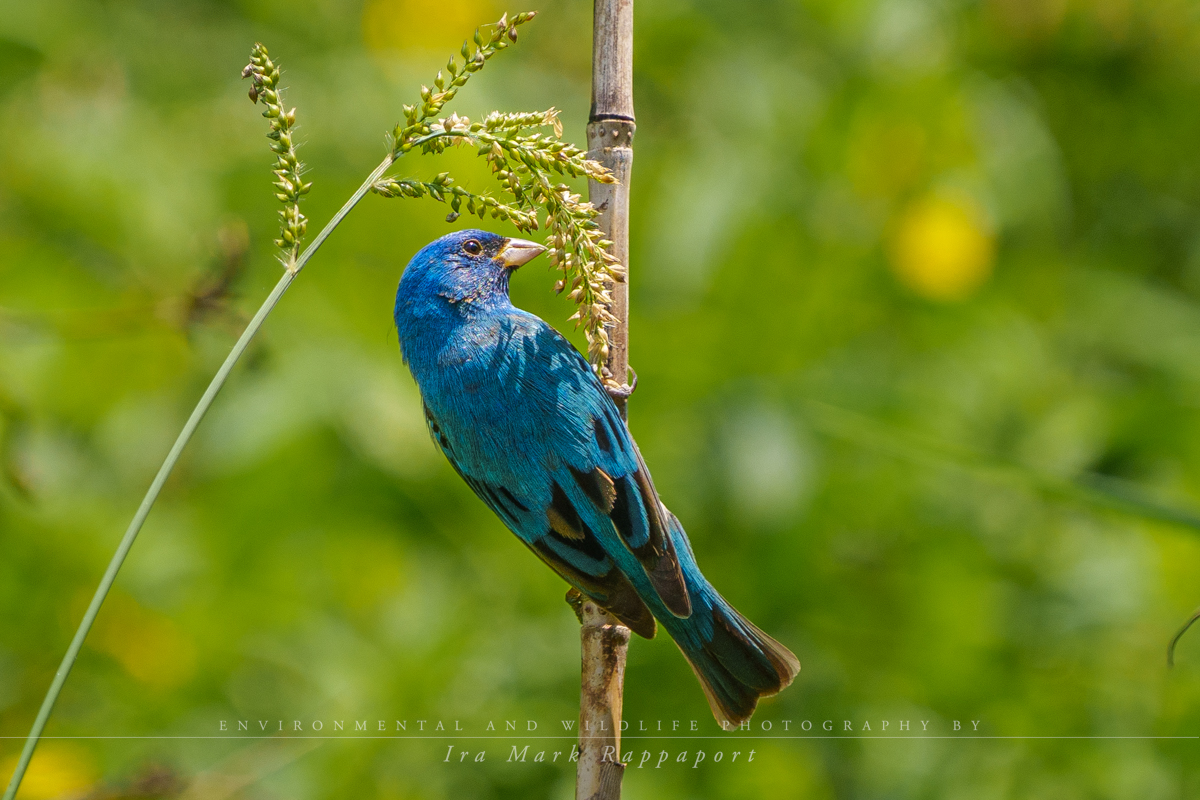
<point x="164" y="472"/>
<point x="1175" y="639"/>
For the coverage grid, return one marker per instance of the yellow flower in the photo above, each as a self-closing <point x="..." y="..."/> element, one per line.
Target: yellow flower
<point x="941" y="248"/>
<point x="422" y="24"/>
<point x="58" y="769"/>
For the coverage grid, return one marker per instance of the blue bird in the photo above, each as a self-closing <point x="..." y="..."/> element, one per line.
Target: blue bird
<point x="525" y="421"/>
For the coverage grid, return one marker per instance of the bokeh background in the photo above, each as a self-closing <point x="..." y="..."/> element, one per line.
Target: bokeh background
<point x="916" y="313"/>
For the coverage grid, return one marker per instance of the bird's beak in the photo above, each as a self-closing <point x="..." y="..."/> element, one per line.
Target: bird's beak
<point x="518" y="252"/>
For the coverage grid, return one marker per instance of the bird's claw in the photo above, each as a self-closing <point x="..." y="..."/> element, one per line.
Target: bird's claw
<point x="620" y="392"/>
<point x="575" y="601"/>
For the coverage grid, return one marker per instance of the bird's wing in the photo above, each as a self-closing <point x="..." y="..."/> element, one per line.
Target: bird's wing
<point x="580" y="560"/>
<point x="593" y="514"/>
<point x="613" y="476"/>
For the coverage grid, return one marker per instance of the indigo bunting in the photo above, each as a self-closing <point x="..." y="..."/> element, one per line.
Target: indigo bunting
<point x="525" y="421"/>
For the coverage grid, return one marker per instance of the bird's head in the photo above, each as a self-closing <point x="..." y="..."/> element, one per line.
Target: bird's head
<point x="469" y="269"/>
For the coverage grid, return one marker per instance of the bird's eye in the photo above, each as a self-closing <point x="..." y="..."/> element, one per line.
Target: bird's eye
<point x="472" y="247"/>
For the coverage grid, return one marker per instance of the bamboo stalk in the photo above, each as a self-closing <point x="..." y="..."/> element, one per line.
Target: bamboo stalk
<point x="603" y="645"/>
<point x="604" y="641"/>
<point x="610" y="141"/>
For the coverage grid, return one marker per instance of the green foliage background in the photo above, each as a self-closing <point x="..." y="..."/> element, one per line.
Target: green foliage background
<point x="964" y="496"/>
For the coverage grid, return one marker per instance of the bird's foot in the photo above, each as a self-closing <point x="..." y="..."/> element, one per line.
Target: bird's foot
<point x="620" y="392"/>
<point x="575" y="601"/>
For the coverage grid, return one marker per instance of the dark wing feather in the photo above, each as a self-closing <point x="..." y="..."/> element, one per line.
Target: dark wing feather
<point x="635" y="509"/>
<point x="655" y="551"/>
<point x="612" y="590"/>
<point x="568" y="547"/>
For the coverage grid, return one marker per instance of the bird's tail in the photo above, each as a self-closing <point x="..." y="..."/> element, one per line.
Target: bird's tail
<point x="735" y="661"/>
